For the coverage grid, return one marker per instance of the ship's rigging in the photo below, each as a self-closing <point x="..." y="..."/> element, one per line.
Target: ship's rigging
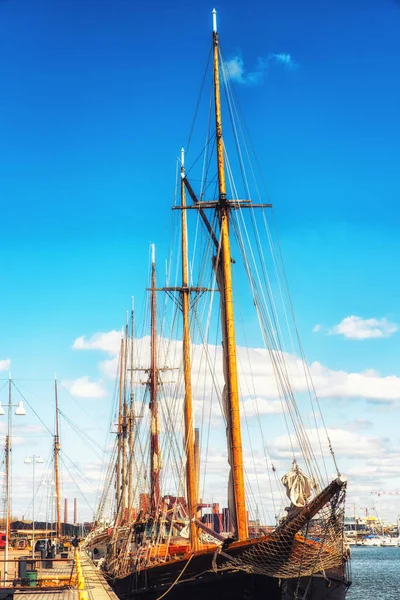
<point x="258" y="386"/>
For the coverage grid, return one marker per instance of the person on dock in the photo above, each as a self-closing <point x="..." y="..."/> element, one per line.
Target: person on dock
<point x="74" y="544"/>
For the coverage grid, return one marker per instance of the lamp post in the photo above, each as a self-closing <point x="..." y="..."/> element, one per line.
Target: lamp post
<point x="19" y="411"/>
<point x="33" y="460"/>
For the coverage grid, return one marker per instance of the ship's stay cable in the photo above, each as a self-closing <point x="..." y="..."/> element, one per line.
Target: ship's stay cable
<point x="253" y="396"/>
<point x="103" y="493"/>
<point x="31" y="408"/>
<point x="248" y="194"/>
<point x="95" y="446"/>
<point x="81" y="407"/>
<point x="305" y="365"/>
<point x="40" y="485"/>
<point x="283" y="287"/>
<point x="199" y="98"/>
<point x="206" y="163"/>
<point x="203" y="338"/>
<point x="309" y="378"/>
<point x="278" y="354"/>
<point x="283" y="378"/>
<point x="84" y="498"/>
<point x="243" y="383"/>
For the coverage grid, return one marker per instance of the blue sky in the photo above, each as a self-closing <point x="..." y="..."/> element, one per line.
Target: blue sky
<point x="97" y="98"/>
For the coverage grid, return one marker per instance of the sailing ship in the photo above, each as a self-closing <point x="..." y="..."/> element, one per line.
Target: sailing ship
<point x="166" y="544"/>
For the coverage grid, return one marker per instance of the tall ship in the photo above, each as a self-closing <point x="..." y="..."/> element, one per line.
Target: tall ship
<point x="189" y="379"/>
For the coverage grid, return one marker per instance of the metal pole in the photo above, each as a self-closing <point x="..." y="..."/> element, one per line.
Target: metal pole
<point x="20" y="411"/>
<point x="8" y="482"/>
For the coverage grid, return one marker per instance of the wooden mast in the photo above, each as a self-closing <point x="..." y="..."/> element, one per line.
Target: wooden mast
<point x="56" y="463"/>
<point x="8" y="481"/>
<point x="228" y="312"/>
<point x="131" y="420"/>
<point x="188" y="402"/>
<point x="153" y="384"/>
<point x="7" y="461"/>
<point x="119" y="431"/>
<point x="197" y="467"/>
<point x="124" y="430"/>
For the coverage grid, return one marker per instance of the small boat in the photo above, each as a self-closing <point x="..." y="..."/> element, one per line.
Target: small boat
<point x="372" y="540"/>
<point x="387" y="540"/>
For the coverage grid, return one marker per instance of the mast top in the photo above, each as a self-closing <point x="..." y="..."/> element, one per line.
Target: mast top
<point x="153" y="254"/>
<point x="214" y="14"/>
<point x="183" y="157"/>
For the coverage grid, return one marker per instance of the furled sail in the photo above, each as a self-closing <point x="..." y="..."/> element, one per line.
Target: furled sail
<point x="299" y="486"/>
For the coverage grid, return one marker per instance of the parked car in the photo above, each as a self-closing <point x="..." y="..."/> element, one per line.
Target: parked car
<point x="3" y="539"/>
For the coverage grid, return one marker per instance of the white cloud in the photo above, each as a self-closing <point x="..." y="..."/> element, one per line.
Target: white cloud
<point x="84" y="388"/>
<point x="357" y="328"/>
<point x="256" y="371"/>
<point x="237" y="71"/>
<point x="284" y="59"/>
<point x="377" y="467"/>
<point x="109" y="342"/>
<point x="235" y="68"/>
<point x="109" y="368"/>
<point x="5" y="364"/>
<point x="340" y="384"/>
<point x="359" y="425"/>
<point x="364" y="454"/>
<point x="345" y="443"/>
<point x="261" y="406"/>
<point x="316" y="328"/>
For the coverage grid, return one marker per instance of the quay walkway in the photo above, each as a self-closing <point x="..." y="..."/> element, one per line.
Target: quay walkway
<point x="95" y="583"/>
<point x="88" y="583"/>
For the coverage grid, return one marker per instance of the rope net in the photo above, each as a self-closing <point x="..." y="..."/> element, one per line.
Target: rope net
<point x="318" y="546"/>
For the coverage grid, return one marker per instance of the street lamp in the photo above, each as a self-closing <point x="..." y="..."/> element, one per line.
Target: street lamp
<point x="33" y="460"/>
<point x="20" y="411"/>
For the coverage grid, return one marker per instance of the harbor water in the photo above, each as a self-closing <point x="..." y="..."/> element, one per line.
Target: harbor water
<point x="375" y="573"/>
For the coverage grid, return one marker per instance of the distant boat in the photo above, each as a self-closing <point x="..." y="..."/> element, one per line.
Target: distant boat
<point x="387" y="540"/>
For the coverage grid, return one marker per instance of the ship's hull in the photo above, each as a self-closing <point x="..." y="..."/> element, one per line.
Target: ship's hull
<point x="223" y="585"/>
<point x="200" y="582"/>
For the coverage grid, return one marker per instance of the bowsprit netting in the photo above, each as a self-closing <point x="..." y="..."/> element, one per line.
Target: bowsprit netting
<point x="319" y="546"/>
